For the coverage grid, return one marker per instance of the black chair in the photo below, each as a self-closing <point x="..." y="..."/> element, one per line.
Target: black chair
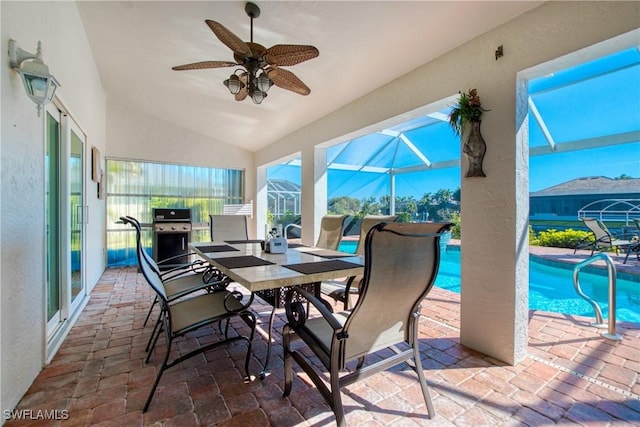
<point x="183" y="280"/>
<point x="401" y="264"/>
<point x="179" y="317"/>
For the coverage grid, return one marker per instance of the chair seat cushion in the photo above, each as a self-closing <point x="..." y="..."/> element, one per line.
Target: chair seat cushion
<point x="201" y="309"/>
<point x="336" y="288"/>
<point x="320" y="331"/>
<point x="182" y="284"/>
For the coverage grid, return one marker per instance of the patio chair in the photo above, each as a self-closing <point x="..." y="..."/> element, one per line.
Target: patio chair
<point x="228" y="227"/>
<point x="602" y="238"/>
<point x="180" y="317"/>
<point x="401" y="264"/>
<point x="331" y="231"/>
<point x="180" y="281"/>
<point x="634" y="243"/>
<point x="342" y="290"/>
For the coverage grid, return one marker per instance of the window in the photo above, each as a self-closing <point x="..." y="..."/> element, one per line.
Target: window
<point x="135" y="188"/>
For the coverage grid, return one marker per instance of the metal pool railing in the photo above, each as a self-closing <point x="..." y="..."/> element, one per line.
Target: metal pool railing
<point x="611" y="273"/>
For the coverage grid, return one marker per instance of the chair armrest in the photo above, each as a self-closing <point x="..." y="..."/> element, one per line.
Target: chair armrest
<point x="347" y="288"/>
<point x="296" y="314"/>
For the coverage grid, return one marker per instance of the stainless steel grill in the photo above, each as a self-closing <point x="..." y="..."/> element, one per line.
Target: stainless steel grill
<point x="171" y="235"/>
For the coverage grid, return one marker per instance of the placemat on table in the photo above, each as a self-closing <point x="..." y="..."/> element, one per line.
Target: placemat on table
<point x="216" y="248"/>
<point x="321" y="267"/>
<point x="242" y="261"/>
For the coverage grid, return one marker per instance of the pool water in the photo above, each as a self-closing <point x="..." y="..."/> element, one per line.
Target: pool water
<point x="551" y="288"/>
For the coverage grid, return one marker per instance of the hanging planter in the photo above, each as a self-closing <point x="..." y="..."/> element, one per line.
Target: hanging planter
<point x="465" y="121"/>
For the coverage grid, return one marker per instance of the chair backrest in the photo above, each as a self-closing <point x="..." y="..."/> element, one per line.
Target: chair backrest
<point x="147" y="265"/>
<point x="365" y="225"/>
<point x="401" y="264"/>
<point x="145" y="255"/>
<point x="228" y="227"/>
<point x="331" y="231"/>
<point x="599" y="230"/>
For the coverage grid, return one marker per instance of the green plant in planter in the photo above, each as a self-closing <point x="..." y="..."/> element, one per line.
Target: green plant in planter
<point x="468" y="109"/>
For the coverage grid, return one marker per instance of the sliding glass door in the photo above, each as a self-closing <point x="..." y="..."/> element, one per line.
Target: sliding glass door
<point x="65" y="169"/>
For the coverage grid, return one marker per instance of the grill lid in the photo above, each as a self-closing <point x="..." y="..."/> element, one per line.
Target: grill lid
<point x="171" y="215"/>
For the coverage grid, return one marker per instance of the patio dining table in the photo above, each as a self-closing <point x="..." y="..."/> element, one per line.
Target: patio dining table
<point x="270" y="275"/>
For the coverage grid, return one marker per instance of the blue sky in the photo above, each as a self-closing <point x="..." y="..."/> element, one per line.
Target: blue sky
<point x="588" y="102"/>
<point x="545" y="171"/>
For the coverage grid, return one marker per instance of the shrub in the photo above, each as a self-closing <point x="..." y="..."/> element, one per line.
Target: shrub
<point x="559" y="239"/>
<point x="455" y="229"/>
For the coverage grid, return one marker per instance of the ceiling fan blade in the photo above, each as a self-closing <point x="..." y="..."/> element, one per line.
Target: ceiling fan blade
<point x="232" y="41"/>
<point x="290" y="54"/>
<point x="287" y="80"/>
<point x="204" y="65"/>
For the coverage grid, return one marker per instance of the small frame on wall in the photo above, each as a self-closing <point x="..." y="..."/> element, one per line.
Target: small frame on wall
<point x="96" y="161"/>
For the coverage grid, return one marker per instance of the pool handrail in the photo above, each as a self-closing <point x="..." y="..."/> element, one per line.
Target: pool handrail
<point x="611" y="274"/>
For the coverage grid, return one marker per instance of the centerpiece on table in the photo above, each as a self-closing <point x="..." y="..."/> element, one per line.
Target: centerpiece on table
<point x="465" y="121"/>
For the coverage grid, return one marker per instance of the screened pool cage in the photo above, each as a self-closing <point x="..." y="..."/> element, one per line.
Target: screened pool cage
<point x="613" y="210"/>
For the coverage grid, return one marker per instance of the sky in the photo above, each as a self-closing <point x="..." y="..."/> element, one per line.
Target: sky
<point x="591" y="101"/>
<point x="544" y="171"/>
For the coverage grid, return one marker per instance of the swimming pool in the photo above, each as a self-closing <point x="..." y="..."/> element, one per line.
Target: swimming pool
<point x="551" y="287"/>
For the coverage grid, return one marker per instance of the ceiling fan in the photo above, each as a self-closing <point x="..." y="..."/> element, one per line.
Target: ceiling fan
<point x="259" y="66"/>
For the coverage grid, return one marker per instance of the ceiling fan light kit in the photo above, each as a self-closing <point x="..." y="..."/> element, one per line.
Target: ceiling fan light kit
<point x="259" y="67"/>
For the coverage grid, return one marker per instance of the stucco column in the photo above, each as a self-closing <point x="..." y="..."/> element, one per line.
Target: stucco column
<point x="314" y="192"/>
<point x="494" y="251"/>
<point x="260" y="208"/>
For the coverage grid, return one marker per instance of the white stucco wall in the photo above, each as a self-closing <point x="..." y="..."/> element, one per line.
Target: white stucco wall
<point x="22" y="257"/>
<point x="494" y="273"/>
<point x="132" y="134"/>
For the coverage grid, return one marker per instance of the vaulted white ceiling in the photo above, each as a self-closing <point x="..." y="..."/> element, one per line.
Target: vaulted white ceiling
<point x="363" y="45"/>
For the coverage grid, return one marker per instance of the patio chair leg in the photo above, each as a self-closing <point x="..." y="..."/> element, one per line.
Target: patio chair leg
<point x="160" y="372"/>
<point x="423" y="380"/>
<point x="155" y="301"/>
<point x="153" y="346"/>
<point x="336" y="399"/>
<point x="153" y="332"/>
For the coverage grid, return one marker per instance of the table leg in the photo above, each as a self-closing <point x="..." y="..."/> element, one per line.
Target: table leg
<point x="265" y="365"/>
<point x="313" y="287"/>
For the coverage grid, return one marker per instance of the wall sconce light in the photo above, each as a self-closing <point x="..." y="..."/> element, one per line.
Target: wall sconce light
<point x="39" y="84"/>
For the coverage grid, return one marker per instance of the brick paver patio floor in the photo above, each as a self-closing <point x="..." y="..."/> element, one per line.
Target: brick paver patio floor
<point x="571" y="376"/>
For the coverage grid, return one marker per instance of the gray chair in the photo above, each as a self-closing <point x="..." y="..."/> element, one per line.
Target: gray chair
<point x="342" y="290"/>
<point x="601" y="239"/>
<point x="228" y="227"/>
<point x="331" y="227"/>
<point x="401" y="264"/>
<point x="634" y="243"/>
<point x="182" y="316"/>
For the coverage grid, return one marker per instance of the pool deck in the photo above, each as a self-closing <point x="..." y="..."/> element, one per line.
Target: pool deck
<point x="571" y="375"/>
